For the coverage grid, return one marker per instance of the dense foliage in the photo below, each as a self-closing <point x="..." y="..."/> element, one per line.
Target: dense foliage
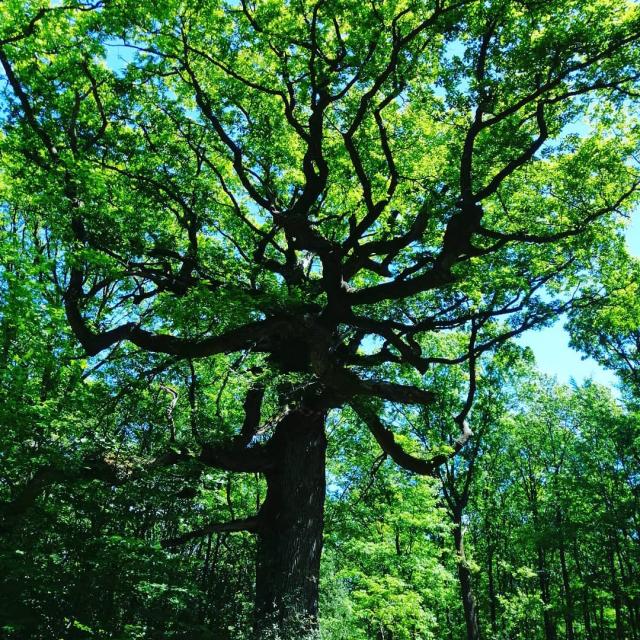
<point x="262" y="265"/>
<point x="550" y="526"/>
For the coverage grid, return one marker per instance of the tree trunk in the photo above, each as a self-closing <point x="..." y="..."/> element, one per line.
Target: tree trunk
<point x="289" y="541"/>
<point x="492" y="589"/>
<point x="617" y="598"/>
<point x="568" y="594"/>
<point x="626" y="571"/>
<point x="545" y="594"/>
<point x="586" y="613"/>
<point x="466" y="589"/>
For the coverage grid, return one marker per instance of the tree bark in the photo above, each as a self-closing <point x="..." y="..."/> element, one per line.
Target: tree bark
<point x="617" y="598"/>
<point x="545" y="594"/>
<point x="290" y="529"/>
<point x="466" y="588"/>
<point x="566" y="587"/>
<point x="492" y="589"/>
<point x="586" y="600"/>
<point x="626" y="571"/>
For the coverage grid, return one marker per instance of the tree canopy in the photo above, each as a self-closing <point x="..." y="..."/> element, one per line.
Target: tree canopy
<point x="229" y="226"/>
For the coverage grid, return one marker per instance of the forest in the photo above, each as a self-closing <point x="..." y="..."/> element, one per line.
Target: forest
<point x="267" y="269"/>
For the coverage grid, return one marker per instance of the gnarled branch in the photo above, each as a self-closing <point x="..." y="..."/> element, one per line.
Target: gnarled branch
<point x="387" y="441"/>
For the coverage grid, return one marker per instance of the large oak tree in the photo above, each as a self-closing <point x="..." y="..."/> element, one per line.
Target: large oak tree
<point x="327" y="199"/>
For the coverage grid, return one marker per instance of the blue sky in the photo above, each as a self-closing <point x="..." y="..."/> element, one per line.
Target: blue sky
<point x="551" y="345"/>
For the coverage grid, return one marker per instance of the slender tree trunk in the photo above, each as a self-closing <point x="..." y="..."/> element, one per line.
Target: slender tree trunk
<point x="290" y="530"/>
<point x="617" y="598"/>
<point x="568" y="594"/>
<point x="211" y="574"/>
<point x="586" y="614"/>
<point x="492" y="588"/>
<point x="626" y="572"/>
<point x="466" y="587"/>
<point x="531" y="488"/>
<point x="449" y="624"/>
<point x="545" y="593"/>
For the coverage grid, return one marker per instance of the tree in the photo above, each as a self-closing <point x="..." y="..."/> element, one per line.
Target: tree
<point x="609" y="330"/>
<point x="500" y="378"/>
<point x="555" y="515"/>
<point x="301" y="197"/>
<point x="80" y="528"/>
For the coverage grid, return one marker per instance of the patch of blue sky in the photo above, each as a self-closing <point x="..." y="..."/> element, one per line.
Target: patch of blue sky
<point x="453" y="50"/>
<point x="550" y="345"/>
<point x="633" y="234"/>
<point x="556" y="358"/>
<point x="118" y="56"/>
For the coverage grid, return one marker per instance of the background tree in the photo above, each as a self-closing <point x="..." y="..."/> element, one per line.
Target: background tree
<point x="555" y="492"/>
<point x="607" y="330"/>
<point x="498" y="381"/>
<point x="294" y="200"/>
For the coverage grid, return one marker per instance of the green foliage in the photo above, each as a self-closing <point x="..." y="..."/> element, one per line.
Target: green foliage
<point x="216" y="215"/>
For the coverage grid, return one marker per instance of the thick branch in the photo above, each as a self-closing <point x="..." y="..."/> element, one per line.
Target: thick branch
<point x="252" y="409"/>
<point x="386" y="439"/>
<point x="245" y="524"/>
<point x="255" y="335"/>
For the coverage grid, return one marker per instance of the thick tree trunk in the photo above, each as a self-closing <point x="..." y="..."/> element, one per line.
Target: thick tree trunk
<point x="290" y="530"/>
<point x="466" y="588"/>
